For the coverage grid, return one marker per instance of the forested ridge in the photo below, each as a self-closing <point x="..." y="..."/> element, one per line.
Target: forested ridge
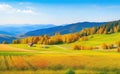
<point x="107" y="28"/>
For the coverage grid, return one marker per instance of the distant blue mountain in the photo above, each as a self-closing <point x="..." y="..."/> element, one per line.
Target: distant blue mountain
<point x="6" y="38"/>
<point x="21" y="29"/>
<point x="70" y="28"/>
<point x="5" y="33"/>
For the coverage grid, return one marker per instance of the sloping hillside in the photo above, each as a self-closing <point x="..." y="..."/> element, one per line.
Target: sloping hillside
<point x="98" y="39"/>
<point x="6" y="38"/>
<point x="6" y="33"/>
<point x="71" y="28"/>
<point x="108" y="28"/>
<point x="21" y="29"/>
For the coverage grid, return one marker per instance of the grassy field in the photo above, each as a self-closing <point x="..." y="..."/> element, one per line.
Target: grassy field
<point x="83" y="62"/>
<point x="57" y="59"/>
<point x="95" y="40"/>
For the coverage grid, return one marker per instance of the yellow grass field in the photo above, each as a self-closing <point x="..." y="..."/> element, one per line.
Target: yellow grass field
<point x="4" y="47"/>
<point x="85" y="61"/>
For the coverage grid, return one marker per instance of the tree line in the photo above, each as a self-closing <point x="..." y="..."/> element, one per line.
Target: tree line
<point x="45" y="39"/>
<point x="108" y="28"/>
<point x="111" y="27"/>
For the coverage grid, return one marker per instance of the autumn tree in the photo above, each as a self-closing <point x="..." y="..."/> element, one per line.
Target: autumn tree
<point x="105" y="31"/>
<point x="92" y="30"/>
<point x="111" y="30"/>
<point x="76" y="47"/>
<point x="101" y="30"/>
<point x="4" y="42"/>
<point x="116" y="29"/>
<point x="16" y="41"/>
<point x="84" y="38"/>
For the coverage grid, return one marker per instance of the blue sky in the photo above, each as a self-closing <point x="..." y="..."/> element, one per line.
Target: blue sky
<point x="58" y="12"/>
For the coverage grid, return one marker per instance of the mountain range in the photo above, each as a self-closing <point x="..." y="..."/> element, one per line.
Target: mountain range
<point x="11" y="32"/>
<point x="70" y="28"/>
<point x="6" y="38"/>
<point x="15" y="29"/>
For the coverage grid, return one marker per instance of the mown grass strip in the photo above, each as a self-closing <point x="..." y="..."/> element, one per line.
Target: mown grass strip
<point x="15" y="53"/>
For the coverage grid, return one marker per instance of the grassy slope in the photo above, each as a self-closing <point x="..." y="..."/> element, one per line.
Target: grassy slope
<point x="85" y="60"/>
<point x="96" y="40"/>
<point x="103" y="38"/>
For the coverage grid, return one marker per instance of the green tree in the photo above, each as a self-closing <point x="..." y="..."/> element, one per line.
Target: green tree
<point x="70" y="71"/>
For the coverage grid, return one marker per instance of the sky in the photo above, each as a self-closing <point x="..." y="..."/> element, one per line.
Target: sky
<point x="58" y="12"/>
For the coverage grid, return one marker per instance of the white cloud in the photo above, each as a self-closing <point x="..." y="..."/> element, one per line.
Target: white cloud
<point x="6" y="8"/>
<point x="26" y="11"/>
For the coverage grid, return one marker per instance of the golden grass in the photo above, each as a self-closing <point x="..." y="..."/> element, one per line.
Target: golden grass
<point x="2" y="63"/>
<point x="59" y="63"/>
<point x="20" y="63"/>
<point x="78" y="61"/>
<point x="49" y="72"/>
<point x="5" y="47"/>
<point x="85" y="61"/>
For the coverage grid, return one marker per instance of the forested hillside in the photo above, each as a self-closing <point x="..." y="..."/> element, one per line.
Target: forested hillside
<point x="107" y="28"/>
<point x="70" y="28"/>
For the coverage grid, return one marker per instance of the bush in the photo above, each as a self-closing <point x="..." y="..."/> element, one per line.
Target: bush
<point x="84" y="38"/>
<point x="104" y="46"/>
<point x="95" y="47"/>
<point x="80" y="47"/>
<point x="56" y="67"/>
<point x="118" y="43"/>
<point x="76" y="47"/>
<point x="70" y="71"/>
<point x="110" y="46"/>
<point x="118" y="49"/>
<point x="88" y="48"/>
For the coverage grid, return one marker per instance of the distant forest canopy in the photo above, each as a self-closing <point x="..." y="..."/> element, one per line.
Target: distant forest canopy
<point x="108" y="28"/>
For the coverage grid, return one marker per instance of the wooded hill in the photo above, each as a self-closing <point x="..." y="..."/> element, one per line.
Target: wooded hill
<point x="66" y="29"/>
<point x="107" y="28"/>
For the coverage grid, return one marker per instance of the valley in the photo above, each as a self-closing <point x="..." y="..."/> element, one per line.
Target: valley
<point x="59" y="37"/>
<point x="57" y="59"/>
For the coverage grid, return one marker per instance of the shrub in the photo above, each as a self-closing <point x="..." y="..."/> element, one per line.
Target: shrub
<point x="88" y="48"/>
<point x="95" y="47"/>
<point x="110" y="46"/>
<point x="70" y="71"/>
<point x="118" y="43"/>
<point x="84" y="38"/>
<point x="76" y="47"/>
<point x="118" y="49"/>
<point x="80" y="47"/>
<point x="56" y="67"/>
<point x="104" y="46"/>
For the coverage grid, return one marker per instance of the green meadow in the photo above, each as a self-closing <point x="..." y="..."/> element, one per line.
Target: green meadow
<point x="58" y="59"/>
